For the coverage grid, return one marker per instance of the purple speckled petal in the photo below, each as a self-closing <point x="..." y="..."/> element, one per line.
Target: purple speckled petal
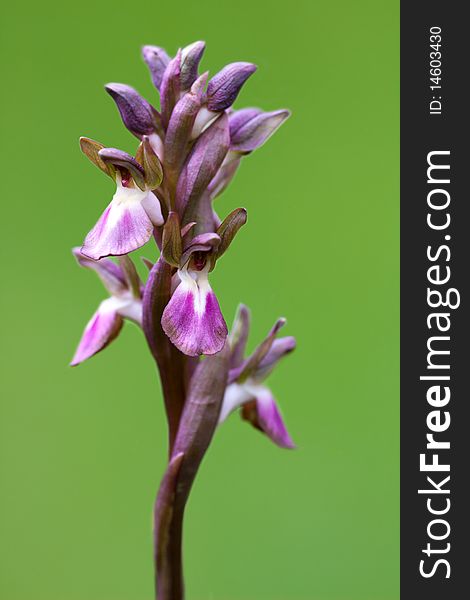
<point x="157" y="61"/>
<point x="192" y="319"/>
<point x="224" y="87"/>
<point x="108" y="271"/>
<point x="123" y="227"/>
<point x="136" y="113"/>
<point x="255" y="131"/>
<point x="102" y="328"/>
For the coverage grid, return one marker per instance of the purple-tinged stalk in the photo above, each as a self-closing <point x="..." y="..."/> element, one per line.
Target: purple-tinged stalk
<point x="188" y="153"/>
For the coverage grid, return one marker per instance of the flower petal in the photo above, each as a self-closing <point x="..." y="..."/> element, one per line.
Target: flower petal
<point x="124" y="226"/>
<point x="202" y="163"/>
<point x="170" y="87"/>
<point x="249" y="366"/>
<point x="264" y="414"/>
<point x="109" y="272"/>
<point x="225" y="174"/>
<point x="249" y="131"/>
<point x="190" y="59"/>
<point x="152" y="207"/>
<point x="204" y="242"/>
<point x="239" y="118"/>
<point x="239" y="335"/>
<point x="224" y="87"/>
<point x="278" y="350"/>
<point x="157" y="60"/>
<point x="235" y="396"/>
<point x="180" y="127"/>
<point x="192" y="319"/>
<point x="119" y="158"/>
<point x="136" y="113"/>
<point x="229" y="228"/>
<point x="102" y="328"/>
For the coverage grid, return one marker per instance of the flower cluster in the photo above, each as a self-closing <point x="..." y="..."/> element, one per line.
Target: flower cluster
<point x="187" y="154"/>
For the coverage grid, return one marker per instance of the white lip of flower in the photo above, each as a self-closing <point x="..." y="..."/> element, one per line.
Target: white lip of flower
<point x="128" y="194"/>
<point x="238" y="394"/>
<point x="134" y="195"/>
<point x="198" y="283"/>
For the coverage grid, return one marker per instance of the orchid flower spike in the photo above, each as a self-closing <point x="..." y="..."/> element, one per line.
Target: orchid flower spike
<point x="245" y="387"/>
<point x="124" y="302"/>
<point x="190" y="150"/>
<point x="129" y="220"/>
<point x="192" y="318"/>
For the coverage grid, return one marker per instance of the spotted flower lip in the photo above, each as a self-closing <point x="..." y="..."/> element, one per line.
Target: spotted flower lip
<point x="246" y="387"/>
<point x="129" y="220"/>
<point x="124" y="302"/>
<point x="192" y="319"/>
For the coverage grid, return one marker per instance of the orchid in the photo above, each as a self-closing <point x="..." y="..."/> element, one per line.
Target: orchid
<point x="189" y="150"/>
<point x="245" y="386"/>
<point x="129" y="220"/>
<point x="124" y="302"/>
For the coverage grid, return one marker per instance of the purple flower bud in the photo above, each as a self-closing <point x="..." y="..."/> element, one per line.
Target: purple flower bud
<point x="180" y="127"/>
<point x="224" y="87"/>
<point x="137" y="114"/>
<point x="157" y="60"/>
<point x="170" y="87"/>
<point x="190" y="59"/>
<point x="202" y="163"/>
<point x="250" y="127"/>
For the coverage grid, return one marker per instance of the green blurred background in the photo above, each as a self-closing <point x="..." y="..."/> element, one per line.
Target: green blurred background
<point x="82" y="450"/>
